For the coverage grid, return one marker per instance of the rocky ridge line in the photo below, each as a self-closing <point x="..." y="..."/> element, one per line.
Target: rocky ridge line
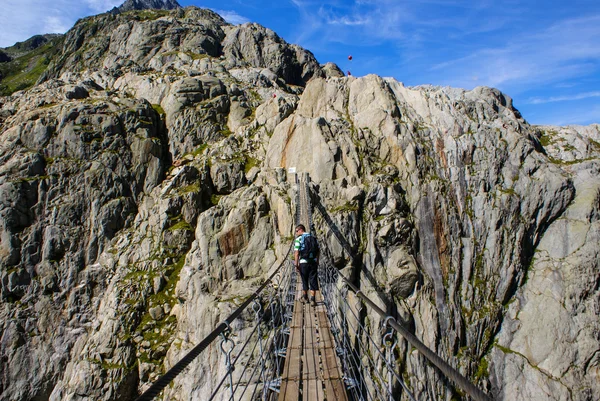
<point x="131" y="5"/>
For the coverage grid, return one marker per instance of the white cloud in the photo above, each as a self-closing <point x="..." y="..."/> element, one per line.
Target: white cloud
<point x="567" y="49"/>
<point x="53" y="24"/>
<point x="232" y="17"/>
<point x="590" y="115"/>
<point x="102" y="6"/>
<point x="349" y="22"/>
<point x="309" y="24"/>
<point x="345" y="20"/>
<point x="579" y="96"/>
<point x="21" y="19"/>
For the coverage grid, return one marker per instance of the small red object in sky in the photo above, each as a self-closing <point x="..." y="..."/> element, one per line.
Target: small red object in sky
<point x="350" y="57"/>
<point x="349" y="73"/>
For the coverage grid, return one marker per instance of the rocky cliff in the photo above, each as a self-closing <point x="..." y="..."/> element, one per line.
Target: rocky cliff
<point x="143" y="192"/>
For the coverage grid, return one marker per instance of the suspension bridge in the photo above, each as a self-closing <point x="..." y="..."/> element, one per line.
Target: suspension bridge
<point x="295" y="351"/>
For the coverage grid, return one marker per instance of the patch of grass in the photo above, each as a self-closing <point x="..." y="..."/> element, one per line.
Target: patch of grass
<point x="195" y="187"/>
<point x="225" y="132"/>
<point x="137" y="275"/>
<point x="169" y="53"/>
<point x="250" y="162"/>
<point x="158" y="109"/>
<point x="469" y="206"/>
<point x="182" y="225"/>
<point x="31" y="179"/>
<point x="504" y="349"/>
<point x="546" y="138"/>
<point x="23" y="72"/>
<point x="200" y="149"/>
<point x="149" y="15"/>
<point x="255" y="96"/>
<point x="419" y="127"/>
<point x="595" y="145"/>
<point x="196" y="56"/>
<point x="508" y="191"/>
<point x="347" y="207"/>
<point x="570" y="162"/>
<point x="162" y="330"/>
<point x="105" y="365"/>
<point x="214" y="199"/>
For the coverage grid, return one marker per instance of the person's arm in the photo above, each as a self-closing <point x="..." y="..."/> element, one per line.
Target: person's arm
<point x="297" y="260"/>
<point x="297" y="253"/>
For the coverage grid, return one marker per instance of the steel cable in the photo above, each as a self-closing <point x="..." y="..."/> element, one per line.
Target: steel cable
<point x="375" y="345"/>
<point x="364" y="350"/>
<point x="347" y="352"/>
<point x="240" y="352"/>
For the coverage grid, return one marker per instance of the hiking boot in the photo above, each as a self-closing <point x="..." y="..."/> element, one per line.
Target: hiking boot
<point x="304" y="299"/>
<point x="313" y="301"/>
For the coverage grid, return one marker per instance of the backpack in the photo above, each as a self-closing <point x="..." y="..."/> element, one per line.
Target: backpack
<point x="309" y="247"/>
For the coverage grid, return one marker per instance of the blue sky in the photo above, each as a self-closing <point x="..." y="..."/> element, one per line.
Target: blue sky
<point x="544" y="54"/>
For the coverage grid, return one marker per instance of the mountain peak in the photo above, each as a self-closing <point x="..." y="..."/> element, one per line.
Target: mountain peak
<point x="130" y="5"/>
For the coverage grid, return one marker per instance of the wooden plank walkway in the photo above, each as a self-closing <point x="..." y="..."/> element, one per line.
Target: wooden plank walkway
<point x="311" y="370"/>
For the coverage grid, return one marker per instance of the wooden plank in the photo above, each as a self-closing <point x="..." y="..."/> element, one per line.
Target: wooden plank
<point x="297" y="316"/>
<point x="295" y="340"/>
<point x="313" y="390"/>
<point x="291" y="367"/>
<point x="331" y="368"/>
<point x="290" y="384"/>
<point x="309" y="317"/>
<point x="290" y="390"/>
<point x="335" y="390"/>
<point x="310" y="367"/>
<point x="325" y="336"/>
<point x="329" y="359"/>
<point x="310" y="330"/>
<point x="310" y="364"/>
<point x="332" y="373"/>
<point x="291" y="376"/>
<point x="298" y="309"/>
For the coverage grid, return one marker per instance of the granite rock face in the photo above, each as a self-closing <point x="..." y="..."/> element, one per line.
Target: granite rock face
<point x="143" y="192"/>
<point x="131" y="5"/>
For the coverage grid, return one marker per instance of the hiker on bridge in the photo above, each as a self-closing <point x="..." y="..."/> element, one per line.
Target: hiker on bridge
<point x="306" y="258"/>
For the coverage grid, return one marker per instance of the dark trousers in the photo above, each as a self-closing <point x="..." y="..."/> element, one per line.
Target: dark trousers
<point x="309" y="275"/>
